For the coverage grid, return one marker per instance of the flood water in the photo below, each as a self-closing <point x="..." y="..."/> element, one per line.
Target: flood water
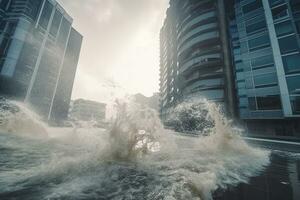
<point x="136" y="158"/>
<point x="280" y="180"/>
<point x="37" y="169"/>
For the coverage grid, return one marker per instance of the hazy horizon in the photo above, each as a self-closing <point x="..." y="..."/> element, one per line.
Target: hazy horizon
<point x="120" y="49"/>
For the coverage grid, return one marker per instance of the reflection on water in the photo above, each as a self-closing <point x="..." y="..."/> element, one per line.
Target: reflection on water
<point x="279" y="181"/>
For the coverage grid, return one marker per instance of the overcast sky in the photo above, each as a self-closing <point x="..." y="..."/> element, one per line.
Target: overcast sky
<point x="120" y="47"/>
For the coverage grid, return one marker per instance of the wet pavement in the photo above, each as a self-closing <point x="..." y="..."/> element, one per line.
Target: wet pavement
<point x="279" y="181"/>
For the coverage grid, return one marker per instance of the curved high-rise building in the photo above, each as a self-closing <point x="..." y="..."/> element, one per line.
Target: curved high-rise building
<point x="202" y="66"/>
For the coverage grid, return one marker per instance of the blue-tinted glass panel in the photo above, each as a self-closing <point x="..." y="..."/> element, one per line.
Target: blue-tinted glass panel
<point x="275" y="2"/>
<point x="2" y="25"/>
<point x="259" y="43"/>
<point x="34" y="8"/>
<point x="265" y="80"/>
<point x="11" y="27"/>
<point x="269" y="102"/>
<point x="63" y="33"/>
<point x="55" y="23"/>
<point x="252" y="6"/>
<point x="46" y="14"/>
<point x="1" y="64"/>
<point x="252" y="103"/>
<point x="284" y="28"/>
<point x="293" y="84"/>
<point x="249" y="83"/>
<point x="4" y="45"/>
<point x="4" y="4"/>
<point x="261" y="62"/>
<point x="288" y="44"/>
<point x="272" y="102"/>
<point x="280" y="12"/>
<point x="291" y="63"/>
<point x="295" y="102"/>
<point x="298" y="26"/>
<point x="256" y="27"/>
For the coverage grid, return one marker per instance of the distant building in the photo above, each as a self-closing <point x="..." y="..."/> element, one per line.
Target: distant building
<point x="39" y="51"/>
<point x="86" y="110"/>
<point x="266" y="50"/>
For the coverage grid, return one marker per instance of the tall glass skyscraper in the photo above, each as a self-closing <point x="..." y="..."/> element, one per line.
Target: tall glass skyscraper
<point x="34" y="36"/>
<point x="244" y="54"/>
<point x="195" y="55"/>
<point x="266" y="50"/>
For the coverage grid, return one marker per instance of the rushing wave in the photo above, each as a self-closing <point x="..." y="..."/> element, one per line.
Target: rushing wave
<point x="16" y="118"/>
<point x="136" y="158"/>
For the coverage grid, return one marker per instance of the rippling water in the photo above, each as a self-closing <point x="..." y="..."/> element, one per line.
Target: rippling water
<point x="134" y="159"/>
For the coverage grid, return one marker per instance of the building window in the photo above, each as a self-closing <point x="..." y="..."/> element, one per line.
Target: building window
<point x="259" y="43"/>
<point x="4" y="47"/>
<point x="262" y="62"/>
<point x="291" y="63"/>
<point x="268" y="102"/>
<point x="252" y="6"/>
<point x="272" y="102"/>
<point x="252" y="103"/>
<point x="288" y="44"/>
<point x="248" y="83"/>
<point x="284" y="28"/>
<point x="280" y="12"/>
<point x="265" y="80"/>
<point x="11" y="28"/>
<point x="34" y="8"/>
<point x="294" y="84"/>
<point x="295" y="6"/>
<point x="295" y="102"/>
<point x="63" y="32"/>
<point x="256" y="27"/>
<point x="4" y="4"/>
<point x="298" y="26"/>
<point x="2" y="25"/>
<point x="275" y="2"/>
<point x="1" y="64"/>
<point x="45" y="17"/>
<point x="55" y="24"/>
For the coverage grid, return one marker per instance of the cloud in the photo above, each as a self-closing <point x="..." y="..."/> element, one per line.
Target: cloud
<point x="121" y="43"/>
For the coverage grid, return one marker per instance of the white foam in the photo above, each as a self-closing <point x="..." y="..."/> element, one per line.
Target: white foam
<point x="195" y="166"/>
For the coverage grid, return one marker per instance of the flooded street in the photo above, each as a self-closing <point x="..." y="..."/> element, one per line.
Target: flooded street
<point x="136" y="158"/>
<point x="280" y="180"/>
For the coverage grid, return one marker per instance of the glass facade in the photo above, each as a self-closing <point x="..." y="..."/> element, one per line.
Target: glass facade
<point x="193" y="61"/>
<point x="267" y="86"/>
<point x="256" y="79"/>
<point x="46" y="14"/>
<point x="33" y="40"/>
<point x="65" y="84"/>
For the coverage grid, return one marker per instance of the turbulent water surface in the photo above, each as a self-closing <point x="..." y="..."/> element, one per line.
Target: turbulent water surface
<point x="134" y="159"/>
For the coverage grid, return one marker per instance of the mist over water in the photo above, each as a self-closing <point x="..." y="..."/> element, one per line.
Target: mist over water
<point x="135" y="158"/>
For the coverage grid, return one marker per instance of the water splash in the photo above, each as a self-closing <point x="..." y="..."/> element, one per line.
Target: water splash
<point x="134" y="131"/>
<point x="16" y="118"/>
<point x="136" y="158"/>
